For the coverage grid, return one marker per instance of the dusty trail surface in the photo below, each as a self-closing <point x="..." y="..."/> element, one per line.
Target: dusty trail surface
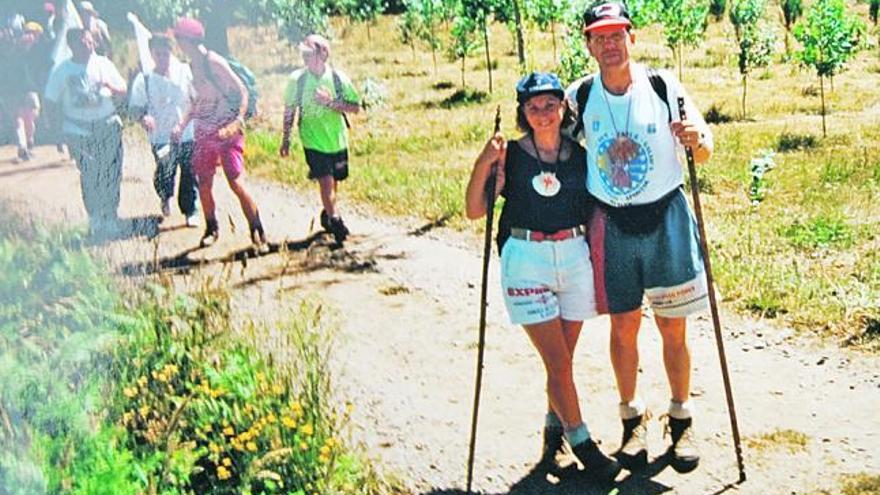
<point x="407" y="304"/>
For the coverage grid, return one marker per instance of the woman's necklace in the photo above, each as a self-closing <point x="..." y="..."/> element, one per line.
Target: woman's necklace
<point x="546" y="183"/>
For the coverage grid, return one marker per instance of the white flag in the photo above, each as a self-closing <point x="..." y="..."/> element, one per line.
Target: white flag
<point x="69" y="19"/>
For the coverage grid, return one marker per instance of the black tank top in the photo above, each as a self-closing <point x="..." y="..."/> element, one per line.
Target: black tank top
<point x="526" y="209"/>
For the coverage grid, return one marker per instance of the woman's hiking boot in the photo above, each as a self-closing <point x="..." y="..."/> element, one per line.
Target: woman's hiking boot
<point x="258" y="238"/>
<point x="685" y="457"/>
<point x="633" y="452"/>
<point x="553" y="441"/>
<point x="597" y="465"/>
<point x="338" y="229"/>
<point x="212" y="233"/>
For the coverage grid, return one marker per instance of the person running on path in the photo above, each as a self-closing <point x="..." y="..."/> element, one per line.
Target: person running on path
<point x="159" y="99"/>
<point x="218" y="112"/>
<point x="84" y="86"/>
<point x="28" y="64"/>
<point x="546" y="277"/>
<point x="643" y="236"/>
<point x="320" y="96"/>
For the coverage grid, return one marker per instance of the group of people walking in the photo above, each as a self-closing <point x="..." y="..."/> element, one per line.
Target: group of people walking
<point x="595" y="220"/>
<point x="194" y="114"/>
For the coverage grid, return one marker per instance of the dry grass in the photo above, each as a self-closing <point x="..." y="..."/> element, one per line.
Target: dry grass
<point x="807" y="255"/>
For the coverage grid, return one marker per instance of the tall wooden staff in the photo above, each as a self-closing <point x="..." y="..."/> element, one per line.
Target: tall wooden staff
<point x="716" y="321"/>
<point x="487" y="252"/>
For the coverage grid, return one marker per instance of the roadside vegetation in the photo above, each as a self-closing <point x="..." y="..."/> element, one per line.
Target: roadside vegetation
<point x="804" y="254"/>
<point x="158" y="394"/>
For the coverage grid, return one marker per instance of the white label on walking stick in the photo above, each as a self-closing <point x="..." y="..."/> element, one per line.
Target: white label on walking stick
<point x="163" y="151"/>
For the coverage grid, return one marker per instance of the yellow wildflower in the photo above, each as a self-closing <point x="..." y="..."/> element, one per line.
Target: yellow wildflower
<point x="307" y="429"/>
<point x="130" y="392"/>
<point x="325" y="450"/>
<point x="144" y="410"/>
<point x="288" y="422"/>
<point x="303" y="446"/>
<point x="228" y="431"/>
<point x="252" y="446"/>
<point x="214" y="448"/>
<point x="142" y="381"/>
<point x="223" y="473"/>
<point x="277" y="389"/>
<point x="227" y="461"/>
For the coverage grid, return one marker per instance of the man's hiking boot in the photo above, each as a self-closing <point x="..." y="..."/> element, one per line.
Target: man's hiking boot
<point x="212" y="233"/>
<point x="325" y="220"/>
<point x="633" y="452"/>
<point x="685" y="457"/>
<point x="338" y="229"/>
<point x="24" y="154"/>
<point x="597" y="465"/>
<point x="258" y="237"/>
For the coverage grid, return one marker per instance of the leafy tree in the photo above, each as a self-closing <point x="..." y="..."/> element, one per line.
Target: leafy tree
<point x="463" y="41"/>
<point x="684" y="24"/>
<point x="295" y="18"/>
<point x="717" y="9"/>
<point x="755" y="40"/>
<point x="474" y="15"/>
<point x="364" y="11"/>
<point x="428" y="14"/>
<point x="546" y="14"/>
<point x="873" y="10"/>
<point x="644" y="12"/>
<point x="829" y="37"/>
<point x="792" y="10"/>
<point x="409" y="24"/>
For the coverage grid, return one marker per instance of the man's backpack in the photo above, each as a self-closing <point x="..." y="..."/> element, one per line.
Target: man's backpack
<point x="301" y="87"/>
<point x="583" y="93"/>
<point x="246" y="77"/>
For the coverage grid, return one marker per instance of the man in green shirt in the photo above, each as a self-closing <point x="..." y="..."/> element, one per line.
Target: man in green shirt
<point x="320" y="97"/>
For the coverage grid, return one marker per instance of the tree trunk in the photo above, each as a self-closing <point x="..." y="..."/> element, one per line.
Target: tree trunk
<point x="369" y="34"/>
<point x="553" y="35"/>
<point x="787" y="43"/>
<point x="745" y="80"/>
<point x="433" y="36"/>
<point x="217" y="21"/>
<point x="463" y="59"/>
<point x="822" y="93"/>
<point x="488" y="55"/>
<point x="679" y="54"/>
<point x="520" y="43"/>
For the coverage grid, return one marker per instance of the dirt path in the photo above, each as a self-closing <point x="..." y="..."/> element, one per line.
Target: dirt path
<point x="405" y="356"/>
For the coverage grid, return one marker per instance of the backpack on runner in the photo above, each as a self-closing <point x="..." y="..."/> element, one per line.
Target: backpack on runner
<point x="301" y="87"/>
<point x="246" y="77"/>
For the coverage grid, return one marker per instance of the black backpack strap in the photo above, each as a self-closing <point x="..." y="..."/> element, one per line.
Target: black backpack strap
<point x="337" y="88"/>
<point x="660" y="88"/>
<point x="298" y="101"/>
<point x="583" y="93"/>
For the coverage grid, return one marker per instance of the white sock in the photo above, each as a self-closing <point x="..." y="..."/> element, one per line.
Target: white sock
<point x="681" y="410"/>
<point x="632" y="409"/>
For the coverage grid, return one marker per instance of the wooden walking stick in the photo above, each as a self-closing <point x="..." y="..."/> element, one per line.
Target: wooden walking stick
<point x="713" y="305"/>
<point x="487" y="252"/>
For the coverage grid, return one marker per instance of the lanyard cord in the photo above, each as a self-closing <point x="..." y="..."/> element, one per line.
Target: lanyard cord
<point x="542" y="162"/>
<point x="611" y="114"/>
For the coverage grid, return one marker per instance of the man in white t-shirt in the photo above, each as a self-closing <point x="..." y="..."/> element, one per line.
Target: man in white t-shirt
<point x="159" y="99"/>
<point x="643" y="237"/>
<point x="79" y="97"/>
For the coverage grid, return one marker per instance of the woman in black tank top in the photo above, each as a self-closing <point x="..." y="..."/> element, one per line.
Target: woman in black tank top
<point x="546" y="273"/>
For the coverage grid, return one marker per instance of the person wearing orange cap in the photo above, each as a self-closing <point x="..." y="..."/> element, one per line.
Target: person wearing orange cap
<point x="217" y="112"/>
<point x="320" y="96"/>
<point x="644" y="240"/>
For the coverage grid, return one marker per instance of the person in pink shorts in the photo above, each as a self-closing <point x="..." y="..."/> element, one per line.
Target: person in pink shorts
<point x="218" y="112"/>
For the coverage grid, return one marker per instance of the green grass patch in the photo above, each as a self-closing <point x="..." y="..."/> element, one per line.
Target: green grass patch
<point x="819" y="232"/>
<point x="99" y="396"/>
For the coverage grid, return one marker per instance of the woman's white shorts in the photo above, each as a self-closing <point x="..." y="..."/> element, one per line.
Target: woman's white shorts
<point x="545" y="280"/>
